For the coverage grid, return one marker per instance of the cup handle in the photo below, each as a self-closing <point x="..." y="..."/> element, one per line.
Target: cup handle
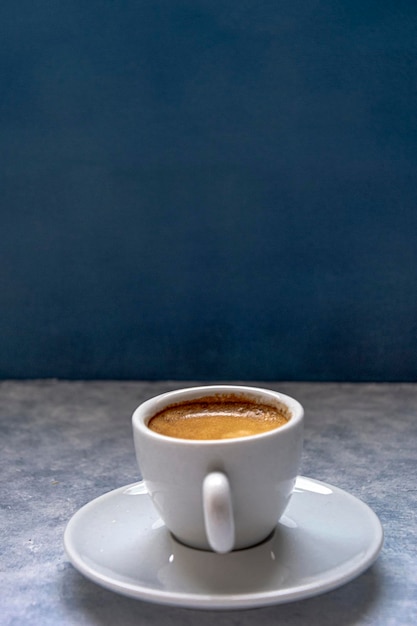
<point x="218" y="512"/>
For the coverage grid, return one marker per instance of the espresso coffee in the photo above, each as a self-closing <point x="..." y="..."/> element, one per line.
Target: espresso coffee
<point x="217" y="418"/>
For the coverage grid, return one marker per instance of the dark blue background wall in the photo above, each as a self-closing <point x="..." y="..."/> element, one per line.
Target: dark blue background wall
<point x="208" y="189"/>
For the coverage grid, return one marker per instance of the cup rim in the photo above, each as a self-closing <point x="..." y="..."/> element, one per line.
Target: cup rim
<point x="147" y="409"/>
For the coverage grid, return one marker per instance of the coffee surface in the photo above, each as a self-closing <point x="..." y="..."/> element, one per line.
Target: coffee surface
<point x="219" y="419"/>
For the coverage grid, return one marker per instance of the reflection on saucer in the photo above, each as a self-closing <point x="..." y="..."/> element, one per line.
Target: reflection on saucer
<point x="138" y="489"/>
<point x="253" y="570"/>
<point x="304" y="484"/>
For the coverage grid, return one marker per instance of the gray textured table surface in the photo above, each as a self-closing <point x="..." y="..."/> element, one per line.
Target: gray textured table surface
<point x="65" y="443"/>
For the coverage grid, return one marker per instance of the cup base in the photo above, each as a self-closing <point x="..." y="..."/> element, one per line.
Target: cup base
<point x="250" y="546"/>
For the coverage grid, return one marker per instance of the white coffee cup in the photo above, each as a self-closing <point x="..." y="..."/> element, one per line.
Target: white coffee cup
<point x="220" y="494"/>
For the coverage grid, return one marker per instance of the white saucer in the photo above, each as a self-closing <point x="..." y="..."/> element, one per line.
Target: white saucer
<point x="326" y="538"/>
